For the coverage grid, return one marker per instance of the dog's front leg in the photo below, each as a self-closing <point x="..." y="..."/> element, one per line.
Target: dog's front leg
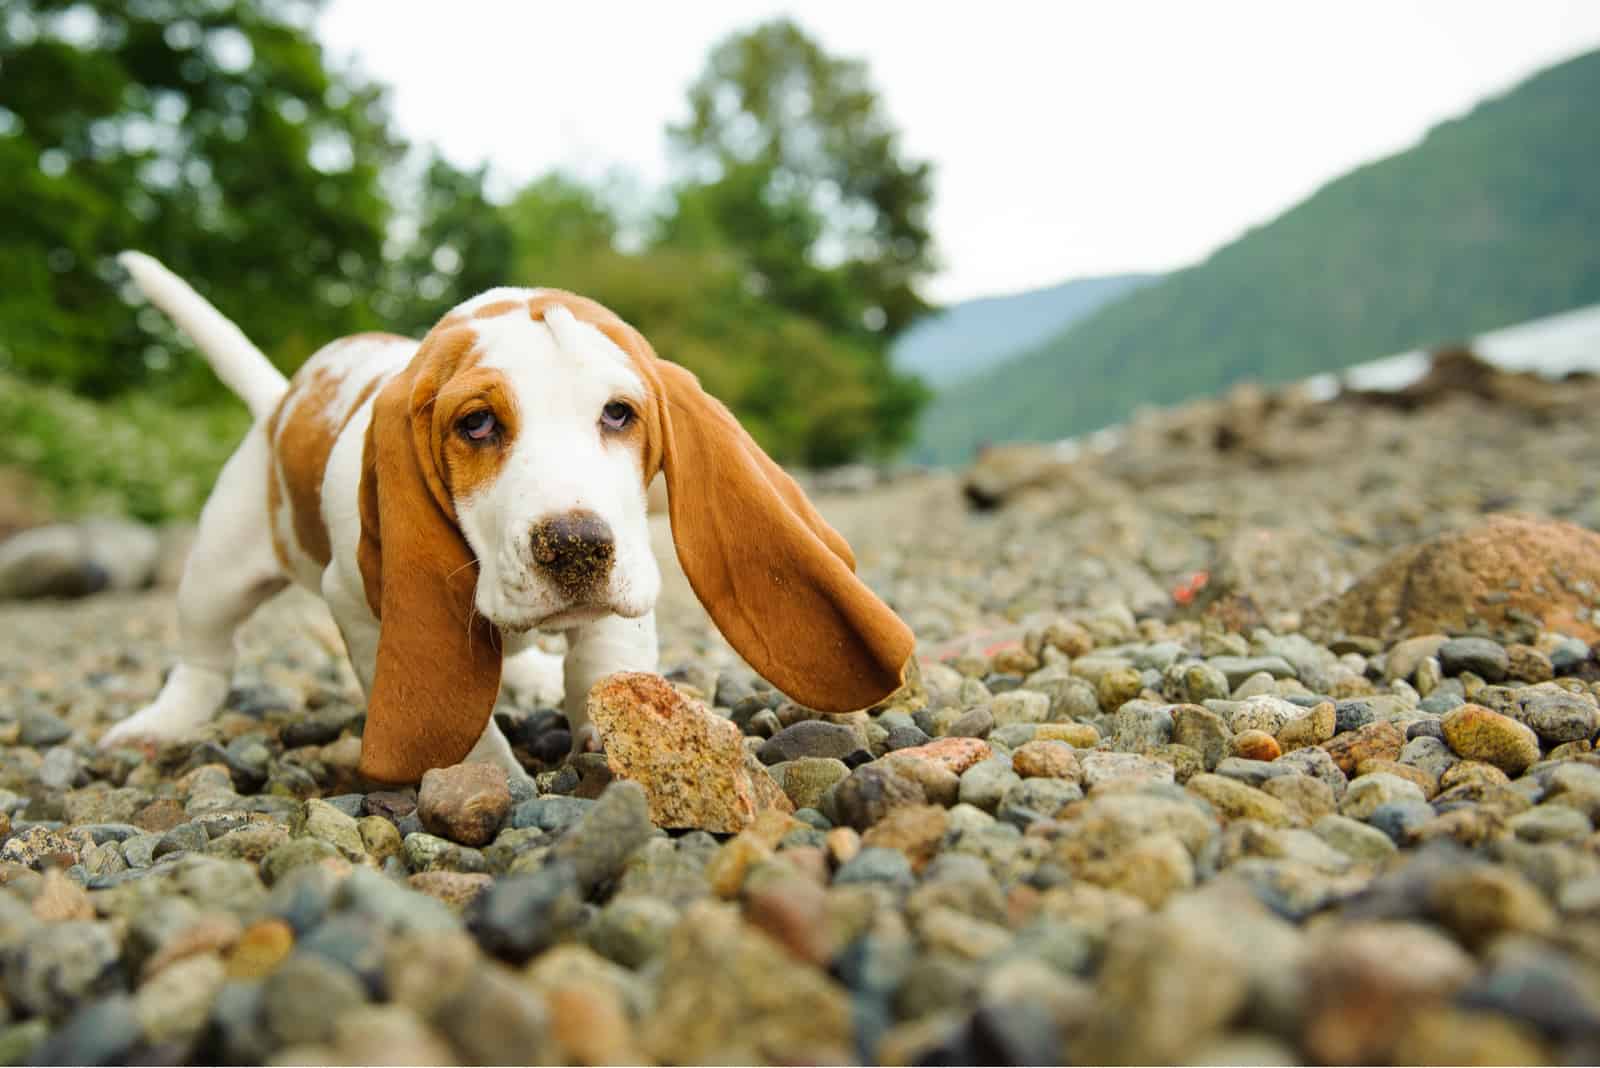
<point x="599" y="649"/>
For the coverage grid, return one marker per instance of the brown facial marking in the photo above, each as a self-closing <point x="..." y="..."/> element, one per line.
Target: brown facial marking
<point x="469" y="466"/>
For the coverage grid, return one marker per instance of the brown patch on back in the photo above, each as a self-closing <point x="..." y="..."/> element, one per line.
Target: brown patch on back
<point x="303" y="442"/>
<point x="499" y="307"/>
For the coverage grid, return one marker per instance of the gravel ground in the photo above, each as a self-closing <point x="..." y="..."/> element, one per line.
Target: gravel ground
<point x="1145" y="807"/>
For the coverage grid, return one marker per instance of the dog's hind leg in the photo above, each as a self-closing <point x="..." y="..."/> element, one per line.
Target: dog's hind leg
<point x="231" y="570"/>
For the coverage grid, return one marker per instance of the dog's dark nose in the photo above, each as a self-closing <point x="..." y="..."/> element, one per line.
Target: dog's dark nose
<point x="575" y="549"/>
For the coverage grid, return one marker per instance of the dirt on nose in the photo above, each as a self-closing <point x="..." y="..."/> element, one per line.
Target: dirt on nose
<point x="576" y="550"/>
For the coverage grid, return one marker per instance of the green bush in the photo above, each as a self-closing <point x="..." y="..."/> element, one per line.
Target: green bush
<point x="136" y="456"/>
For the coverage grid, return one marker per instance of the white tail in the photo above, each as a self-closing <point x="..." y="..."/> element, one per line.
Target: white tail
<point x="241" y="366"/>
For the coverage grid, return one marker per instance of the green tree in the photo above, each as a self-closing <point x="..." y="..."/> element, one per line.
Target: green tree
<point x="211" y="133"/>
<point x="462" y="246"/>
<point x="793" y="161"/>
<point x="797" y="180"/>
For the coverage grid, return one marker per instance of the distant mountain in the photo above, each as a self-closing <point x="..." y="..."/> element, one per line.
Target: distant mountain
<point x="1494" y="218"/>
<point x="963" y="339"/>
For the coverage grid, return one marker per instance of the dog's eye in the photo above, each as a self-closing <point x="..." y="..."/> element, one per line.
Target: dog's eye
<point x="616" y="416"/>
<point x="478" y="426"/>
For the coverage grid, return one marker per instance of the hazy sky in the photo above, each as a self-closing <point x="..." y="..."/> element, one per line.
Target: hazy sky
<point x="1068" y="138"/>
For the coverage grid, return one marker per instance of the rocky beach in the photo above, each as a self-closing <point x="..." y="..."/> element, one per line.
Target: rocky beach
<point x="1263" y="734"/>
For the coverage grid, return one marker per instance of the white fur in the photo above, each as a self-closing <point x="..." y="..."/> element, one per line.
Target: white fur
<point x="239" y="364"/>
<point x="561" y="372"/>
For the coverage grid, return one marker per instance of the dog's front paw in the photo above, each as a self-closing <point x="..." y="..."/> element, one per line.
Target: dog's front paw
<point x="586" y="739"/>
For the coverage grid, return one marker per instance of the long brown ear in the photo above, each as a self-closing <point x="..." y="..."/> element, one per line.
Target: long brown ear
<point x="438" y="669"/>
<point x="778" y="581"/>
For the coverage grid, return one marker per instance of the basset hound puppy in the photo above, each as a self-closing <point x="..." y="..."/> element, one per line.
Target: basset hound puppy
<point x="452" y="497"/>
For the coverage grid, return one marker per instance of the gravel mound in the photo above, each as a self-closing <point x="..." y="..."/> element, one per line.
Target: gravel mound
<point x="1133" y="809"/>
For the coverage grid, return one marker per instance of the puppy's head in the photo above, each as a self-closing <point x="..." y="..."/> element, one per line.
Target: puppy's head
<point x="504" y="488"/>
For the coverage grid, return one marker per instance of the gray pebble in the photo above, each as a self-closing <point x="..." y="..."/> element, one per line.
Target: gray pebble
<point x="394" y="906"/>
<point x="600" y="843"/>
<point x="1568" y="656"/>
<point x="1484" y="658"/>
<point x="521" y="915"/>
<point x="184" y="838"/>
<point x="1252" y="772"/>
<point x="59" y="966"/>
<point x="632" y="930"/>
<point x="1034" y="799"/>
<point x="1396" y="818"/>
<point x="101" y="1032"/>
<point x="1440" y="701"/>
<point x="985" y="783"/>
<point x="1238" y="668"/>
<point x="302" y="1001"/>
<point x="60" y="769"/>
<point x="1557" y="716"/>
<point x="1352" y="715"/>
<point x="809" y="737"/>
<point x="876" y="865"/>
<point x="40" y="728"/>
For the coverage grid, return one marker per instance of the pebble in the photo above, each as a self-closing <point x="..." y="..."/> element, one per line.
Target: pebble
<point x="869" y="792"/>
<point x="601" y="842"/>
<point x="40" y="729"/>
<point x="807" y="780"/>
<point x="1557" y="716"/>
<point x="303" y="1000"/>
<point x="1174" y="862"/>
<point x="1355" y="839"/>
<point x="876" y="865"/>
<point x="466" y="803"/>
<point x="1256" y="745"/>
<point x="58" y="966"/>
<point x="102" y="1032"/>
<point x="1368" y="792"/>
<point x="810" y="738"/>
<point x="1046" y="759"/>
<point x="1101" y="766"/>
<point x="1019" y="706"/>
<point x="1484" y="658"/>
<point x="1236" y="801"/>
<point x="1476" y="733"/>
<point x="1204" y="731"/>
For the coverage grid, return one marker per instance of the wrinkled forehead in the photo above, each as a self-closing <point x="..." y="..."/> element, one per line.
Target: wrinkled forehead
<point x="534" y="336"/>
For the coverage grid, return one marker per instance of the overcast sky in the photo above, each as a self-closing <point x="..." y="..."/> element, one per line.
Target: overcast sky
<point x="1068" y="139"/>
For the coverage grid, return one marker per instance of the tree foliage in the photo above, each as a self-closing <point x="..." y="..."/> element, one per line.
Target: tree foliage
<point x="794" y="162"/>
<point x="210" y="133"/>
<point x="215" y="135"/>
<point x="1492" y="220"/>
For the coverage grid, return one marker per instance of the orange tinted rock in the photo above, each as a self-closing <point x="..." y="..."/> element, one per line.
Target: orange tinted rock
<point x="954" y="754"/>
<point x="1508" y="575"/>
<point x="260" y="949"/>
<point x="1382" y="740"/>
<point x="1046" y="759"/>
<point x="1256" y="745"/>
<point x="691" y="763"/>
